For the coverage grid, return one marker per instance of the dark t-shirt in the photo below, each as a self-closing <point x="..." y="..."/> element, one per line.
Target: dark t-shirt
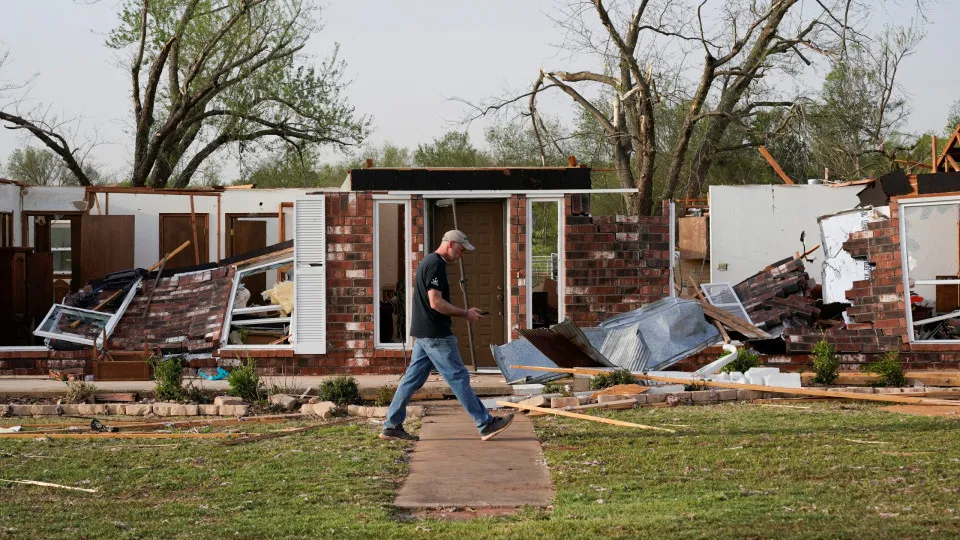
<point x="428" y="322"/>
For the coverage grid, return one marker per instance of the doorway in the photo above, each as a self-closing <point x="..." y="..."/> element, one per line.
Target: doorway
<point x="485" y="268"/>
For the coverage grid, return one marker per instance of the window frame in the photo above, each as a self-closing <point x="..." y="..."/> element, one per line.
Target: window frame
<point x="407" y="277"/>
<point x="561" y="252"/>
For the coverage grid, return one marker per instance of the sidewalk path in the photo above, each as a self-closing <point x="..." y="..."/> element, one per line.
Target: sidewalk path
<point x="452" y="467"/>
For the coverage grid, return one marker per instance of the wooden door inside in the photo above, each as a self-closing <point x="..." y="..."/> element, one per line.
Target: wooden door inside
<point x="176" y="229"/>
<point x="246" y="236"/>
<point x="485" y="268"/>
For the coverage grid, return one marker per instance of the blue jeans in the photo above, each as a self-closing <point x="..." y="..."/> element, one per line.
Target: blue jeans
<point x="443" y="354"/>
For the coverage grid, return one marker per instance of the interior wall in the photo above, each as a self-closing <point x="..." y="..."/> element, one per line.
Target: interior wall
<point x="933" y="243"/>
<point x="753" y="226"/>
<point x="53" y="199"/>
<point x="10" y="202"/>
<point x="239" y="201"/>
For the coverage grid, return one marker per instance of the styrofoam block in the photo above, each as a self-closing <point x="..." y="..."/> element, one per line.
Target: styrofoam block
<point x="527" y="389"/>
<point x="761" y="371"/>
<point x="783" y="380"/>
<point x="666" y="389"/>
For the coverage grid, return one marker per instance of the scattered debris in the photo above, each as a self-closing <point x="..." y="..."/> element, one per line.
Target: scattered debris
<point x="48" y="484"/>
<point x="583" y="417"/>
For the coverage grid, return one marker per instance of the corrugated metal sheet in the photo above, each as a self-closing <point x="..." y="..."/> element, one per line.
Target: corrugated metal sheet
<point x="566" y="345"/>
<point x="523" y="352"/>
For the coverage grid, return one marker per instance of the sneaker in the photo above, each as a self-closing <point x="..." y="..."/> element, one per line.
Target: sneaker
<point x="397" y="434"/>
<point x="494" y="428"/>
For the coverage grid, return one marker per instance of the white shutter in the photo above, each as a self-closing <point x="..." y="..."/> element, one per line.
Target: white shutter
<point x="310" y="279"/>
<point x="723" y="296"/>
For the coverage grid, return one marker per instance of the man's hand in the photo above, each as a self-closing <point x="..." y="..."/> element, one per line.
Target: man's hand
<point x="474" y="314"/>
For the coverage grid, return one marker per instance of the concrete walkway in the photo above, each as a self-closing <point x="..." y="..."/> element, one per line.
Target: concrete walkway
<point x="435" y="388"/>
<point x="452" y="467"/>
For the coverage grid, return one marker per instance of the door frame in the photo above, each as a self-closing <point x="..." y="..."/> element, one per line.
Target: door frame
<point x="561" y="250"/>
<point x="228" y="221"/>
<point x="504" y="200"/>
<point x="198" y="216"/>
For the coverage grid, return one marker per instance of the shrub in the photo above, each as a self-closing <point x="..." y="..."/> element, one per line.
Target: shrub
<point x="385" y="396"/>
<point x="825" y="363"/>
<point x="342" y="390"/>
<point x="244" y="381"/>
<point x="889" y="369"/>
<point x="557" y="388"/>
<point x="169" y="376"/>
<point x="79" y="391"/>
<point x="613" y="378"/>
<point x="746" y="359"/>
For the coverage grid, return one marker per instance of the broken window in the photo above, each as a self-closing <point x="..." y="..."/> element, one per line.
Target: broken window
<point x="60" y="246"/>
<point x="251" y="325"/>
<point x="930" y="239"/>
<point x="391" y="274"/>
<point x="91" y="326"/>
<point x="544" y="262"/>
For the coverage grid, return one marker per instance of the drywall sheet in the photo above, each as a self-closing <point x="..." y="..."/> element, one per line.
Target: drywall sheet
<point x="839" y="269"/>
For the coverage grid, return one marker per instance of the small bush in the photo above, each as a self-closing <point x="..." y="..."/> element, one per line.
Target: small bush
<point x="889" y="369"/>
<point x="825" y="363"/>
<point x="613" y="378"/>
<point x="746" y="359"/>
<point x="244" y="381"/>
<point x="342" y="390"/>
<point x="169" y="376"/>
<point x="79" y="391"/>
<point x="557" y="388"/>
<point x="385" y="396"/>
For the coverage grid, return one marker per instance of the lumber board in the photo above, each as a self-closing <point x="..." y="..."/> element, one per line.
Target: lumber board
<point x="614" y="405"/>
<point x="732" y="322"/>
<point x="286" y="432"/>
<point x="776" y="166"/>
<point x="774" y="389"/>
<point x="155" y="435"/>
<point x="582" y="416"/>
<point x="929" y="378"/>
<point x="48" y="484"/>
<point x="115" y="397"/>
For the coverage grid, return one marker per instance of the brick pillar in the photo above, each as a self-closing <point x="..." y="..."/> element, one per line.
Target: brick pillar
<point x="518" y="264"/>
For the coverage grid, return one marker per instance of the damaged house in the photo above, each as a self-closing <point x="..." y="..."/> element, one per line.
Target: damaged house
<point x="314" y="282"/>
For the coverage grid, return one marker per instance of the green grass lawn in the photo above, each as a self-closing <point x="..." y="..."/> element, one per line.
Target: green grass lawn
<point x="729" y="471"/>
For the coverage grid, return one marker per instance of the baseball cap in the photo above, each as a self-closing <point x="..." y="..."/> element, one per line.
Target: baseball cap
<point x="458" y="237"/>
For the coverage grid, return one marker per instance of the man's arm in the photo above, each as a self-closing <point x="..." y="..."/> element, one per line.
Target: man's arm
<point x="446" y="308"/>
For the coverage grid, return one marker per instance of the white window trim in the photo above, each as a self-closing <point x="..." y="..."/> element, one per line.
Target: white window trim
<point x="228" y="319"/>
<point x="561" y="248"/>
<point x="902" y="206"/>
<point x="405" y="203"/>
<point x="108" y="329"/>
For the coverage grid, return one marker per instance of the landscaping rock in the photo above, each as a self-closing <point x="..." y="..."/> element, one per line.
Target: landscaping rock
<point x="227" y="400"/>
<point x="607" y="398"/>
<point x="43" y="410"/>
<point x="703" y="396"/>
<point x="416" y="411"/>
<point x="70" y="409"/>
<point x="20" y="410"/>
<point x="138" y="409"/>
<point x="233" y="410"/>
<point x="163" y="409"/>
<point x="209" y="410"/>
<point x="747" y="395"/>
<point x="90" y="409"/>
<point x="561" y="402"/>
<point x="4" y="410"/>
<point x="536" y="401"/>
<point x="115" y="409"/>
<point x="283" y="401"/>
<point x="323" y="409"/>
<point x="655" y="398"/>
<point x="727" y="394"/>
<point x="641" y="398"/>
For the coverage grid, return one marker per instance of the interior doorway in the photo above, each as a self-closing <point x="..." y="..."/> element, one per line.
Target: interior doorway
<point x="483" y="222"/>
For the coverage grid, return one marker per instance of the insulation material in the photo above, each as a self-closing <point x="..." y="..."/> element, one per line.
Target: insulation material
<point x="839" y="269"/>
<point x="281" y="295"/>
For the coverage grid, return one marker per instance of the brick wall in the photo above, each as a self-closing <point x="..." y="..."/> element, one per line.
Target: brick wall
<point x="613" y="264"/>
<point x="877" y="306"/>
<point x="40" y="362"/>
<point x="517" y="219"/>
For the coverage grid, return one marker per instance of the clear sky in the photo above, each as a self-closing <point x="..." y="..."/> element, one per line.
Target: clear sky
<point x="406" y="60"/>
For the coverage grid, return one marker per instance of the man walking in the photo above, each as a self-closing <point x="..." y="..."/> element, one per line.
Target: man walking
<point x="435" y="345"/>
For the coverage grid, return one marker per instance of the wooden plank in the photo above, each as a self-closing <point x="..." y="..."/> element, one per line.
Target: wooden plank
<point x="193" y="226"/>
<point x="48" y="484"/>
<point x="776" y="166"/>
<point x="924" y="410"/>
<point x="696" y="289"/>
<point x="952" y="163"/>
<point x="115" y="397"/>
<point x="732" y="322"/>
<point x="286" y="432"/>
<point x="929" y="378"/>
<point x="774" y="389"/>
<point x="582" y="416"/>
<point x="155" y="435"/>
